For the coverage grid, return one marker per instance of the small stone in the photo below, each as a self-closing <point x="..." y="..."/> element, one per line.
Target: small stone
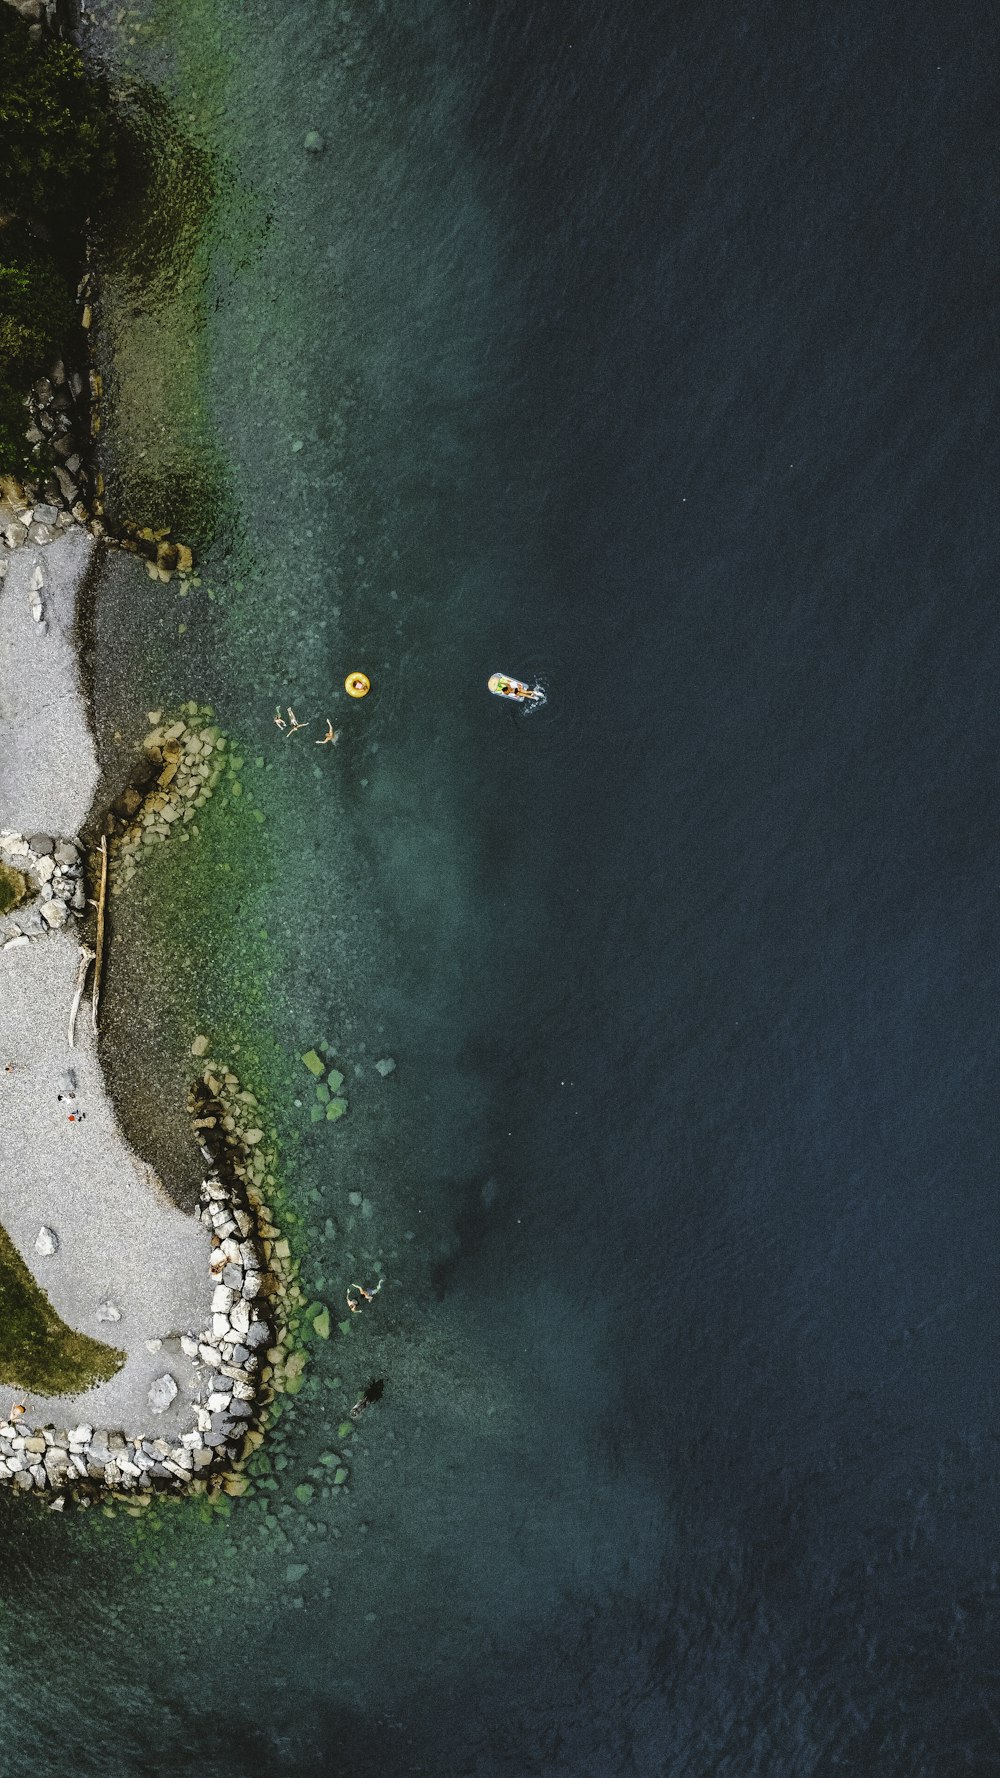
<point x="53" y="913"/>
<point x="46" y="515"/>
<point x="66" y="852"/>
<point x="67" y="486"/>
<point x="162" y="1393"/>
<point x="314" y="143"/>
<point x="41" y="844"/>
<point x="46" y="1242"/>
<point x="106" y="1311"/>
<point x="200" y="1046"/>
<point x="386" y="1066"/>
<point x="355" y="1199"/>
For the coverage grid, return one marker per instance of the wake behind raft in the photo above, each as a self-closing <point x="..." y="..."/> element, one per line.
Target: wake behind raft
<point x="515" y="690"/>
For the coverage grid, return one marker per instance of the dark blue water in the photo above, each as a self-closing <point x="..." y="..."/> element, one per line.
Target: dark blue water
<point x="750" y="467"/>
<point x="660" y="362"/>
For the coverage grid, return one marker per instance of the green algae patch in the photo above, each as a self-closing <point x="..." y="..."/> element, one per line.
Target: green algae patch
<point x="37" y="1350"/>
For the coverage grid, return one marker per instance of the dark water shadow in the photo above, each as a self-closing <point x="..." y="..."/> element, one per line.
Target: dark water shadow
<point x="157" y="448"/>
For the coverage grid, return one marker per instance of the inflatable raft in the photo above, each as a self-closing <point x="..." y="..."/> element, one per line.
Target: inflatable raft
<point x="502" y="686"/>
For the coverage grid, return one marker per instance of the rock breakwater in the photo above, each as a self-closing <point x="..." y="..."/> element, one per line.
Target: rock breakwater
<point x="226" y="1375"/>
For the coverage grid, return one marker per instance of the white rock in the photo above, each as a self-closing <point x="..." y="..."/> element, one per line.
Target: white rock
<point x="189" y="1347"/>
<point x="153" y="1345"/>
<point x="46" y="1242"/>
<point x="106" y="1311"/>
<point x="386" y="1066"/>
<point x="240" y="1317"/>
<point x="162" y="1393"/>
<point x="53" y="913"/>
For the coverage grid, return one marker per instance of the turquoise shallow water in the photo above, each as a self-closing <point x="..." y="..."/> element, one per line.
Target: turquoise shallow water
<point x="645" y="353"/>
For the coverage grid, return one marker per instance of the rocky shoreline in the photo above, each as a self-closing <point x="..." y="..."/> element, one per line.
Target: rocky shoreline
<point x="232" y="1363"/>
<point x="231" y="1359"/>
<point x="226" y="1358"/>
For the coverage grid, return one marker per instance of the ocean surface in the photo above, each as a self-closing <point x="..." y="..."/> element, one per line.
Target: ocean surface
<point x="651" y="350"/>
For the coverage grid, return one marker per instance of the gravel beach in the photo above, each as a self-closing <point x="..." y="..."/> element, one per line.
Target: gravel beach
<point x="119" y="1239"/>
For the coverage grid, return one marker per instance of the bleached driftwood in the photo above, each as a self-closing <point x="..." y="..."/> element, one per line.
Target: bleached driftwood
<point x="102" y="897"/>
<point x="86" y="959"/>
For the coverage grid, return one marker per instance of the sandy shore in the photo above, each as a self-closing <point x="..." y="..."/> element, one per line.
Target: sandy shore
<point x="120" y="1240"/>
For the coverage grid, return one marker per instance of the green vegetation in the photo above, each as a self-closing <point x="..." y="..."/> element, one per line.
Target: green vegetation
<point x="56" y="162"/>
<point x="13" y="888"/>
<point x="37" y="1350"/>
<point x="56" y="139"/>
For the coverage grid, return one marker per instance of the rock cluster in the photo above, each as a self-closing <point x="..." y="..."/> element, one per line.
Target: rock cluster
<point x="42" y="17"/>
<point x="183" y="761"/>
<point x="226" y="1370"/>
<point x="54" y="893"/>
<point x="63" y="417"/>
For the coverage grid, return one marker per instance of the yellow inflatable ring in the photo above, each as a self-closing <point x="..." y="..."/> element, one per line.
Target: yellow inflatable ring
<point x="357" y="685"/>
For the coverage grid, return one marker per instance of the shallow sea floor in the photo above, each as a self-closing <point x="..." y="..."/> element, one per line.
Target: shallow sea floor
<point x="643" y="355"/>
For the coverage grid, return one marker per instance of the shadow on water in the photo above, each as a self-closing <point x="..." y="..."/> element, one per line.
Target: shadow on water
<point x="157" y="448"/>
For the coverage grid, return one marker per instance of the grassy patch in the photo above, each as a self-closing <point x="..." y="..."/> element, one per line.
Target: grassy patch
<point x="37" y="1350"/>
<point x="13" y="888"/>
